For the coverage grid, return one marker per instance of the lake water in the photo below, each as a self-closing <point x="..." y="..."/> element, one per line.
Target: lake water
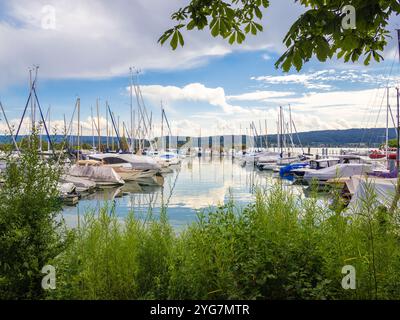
<point x="198" y="184"/>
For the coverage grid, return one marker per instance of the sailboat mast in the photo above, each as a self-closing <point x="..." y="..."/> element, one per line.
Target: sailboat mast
<point x="266" y="135"/>
<point x="281" y="130"/>
<point x="162" y="126"/>
<point x="398" y="129"/>
<point x="398" y="115"/>
<point x="107" y="131"/>
<point x="133" y="133"/>
<point x="98" y="125"/>
<point x="278" y="133"/>
<point x="79" y="128"/>
<point x="32" y="112"/>
<point x="387" y="125"/>
<point x="49" y="142"/>
<point x="91" y="112"/>
<point x="131" y="106"/>
<point x="291" y="126"/>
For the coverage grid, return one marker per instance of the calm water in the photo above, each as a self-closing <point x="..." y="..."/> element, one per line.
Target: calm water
<point x="198" y="184"/>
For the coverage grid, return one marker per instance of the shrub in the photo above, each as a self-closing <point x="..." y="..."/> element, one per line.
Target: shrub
<point x="30" y="234"/>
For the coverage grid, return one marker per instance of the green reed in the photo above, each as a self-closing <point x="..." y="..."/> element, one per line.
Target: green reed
<point x="280" y="246"/>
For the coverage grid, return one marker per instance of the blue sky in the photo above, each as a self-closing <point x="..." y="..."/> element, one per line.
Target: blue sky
<point x="207" y="85"/>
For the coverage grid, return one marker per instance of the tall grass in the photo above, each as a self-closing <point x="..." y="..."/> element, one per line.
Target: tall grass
<point x="279" y="247"/>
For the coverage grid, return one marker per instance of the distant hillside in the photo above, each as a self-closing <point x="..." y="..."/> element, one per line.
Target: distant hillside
<point x="355" y="137"/>
<point x="331" y="138"/>
<point x="326" y="138"/>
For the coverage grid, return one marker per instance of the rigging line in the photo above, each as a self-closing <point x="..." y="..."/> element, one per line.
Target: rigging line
<point x="26" y="107"/>
<point x="140" y="108"/>
<point x="166" y="120"/>
<point x="9" y="127"/>
<point x="377" y="119"/>
<point x="68" y="130"/>
<point x="44" y="123"/>
<point x="370" y="114"/>
<point x="391" y="115"/>
<point x="114" y="125"/>
<point x="298" y="137"/>
<point x="173" y="187"/>
<point x="128" y="135"/>
<point x="387" y="85"/>
<point x="386" y="71"/>
<point x="366" y="115"/>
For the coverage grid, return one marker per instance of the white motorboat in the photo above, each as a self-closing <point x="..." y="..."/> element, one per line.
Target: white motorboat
<point x="169" y="158"/>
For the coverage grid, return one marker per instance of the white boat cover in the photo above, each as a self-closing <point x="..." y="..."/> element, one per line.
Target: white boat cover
<point x="66" y="188"/>
<point x="340" y="170"/>
<point x="359" y="186"/>
<point x="79" y="182"/>
<point x="137" y="162"/>
<point x="100" y="175"/>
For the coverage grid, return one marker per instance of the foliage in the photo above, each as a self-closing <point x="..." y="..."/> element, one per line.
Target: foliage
<point x="317" y="32"/>
<point x="279" y="247"/>
<point x="30" y="234"/>
<point x="392" y="143"/>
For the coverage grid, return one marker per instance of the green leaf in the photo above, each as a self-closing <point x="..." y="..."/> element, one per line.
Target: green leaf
<point x="174" y="41"/>
<point x="258" y="12"/>
<point x="232" y="38"/>
<point x="215" y="29"/>
<point x="259" y="26"/>
<point x="253" y="29"/>
<point x="165" y="36"/>
<point x="191" y="25"/>
<point x="240" y="37"/>
<point x="377" y="56"/>
<point x="247" y="28"/>
<point x="340" y="54"/>
<point x="297" y="61"/>
<point x="181" y="41"/>
<point x="367" y="59"/>
<point x="287" y="62"/>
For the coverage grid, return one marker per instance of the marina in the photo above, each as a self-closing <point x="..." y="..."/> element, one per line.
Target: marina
<point x="197" y="185"/>
<point x="196" y="150"/>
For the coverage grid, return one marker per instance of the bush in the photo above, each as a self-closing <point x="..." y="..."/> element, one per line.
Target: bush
<point x="30" y="235"/>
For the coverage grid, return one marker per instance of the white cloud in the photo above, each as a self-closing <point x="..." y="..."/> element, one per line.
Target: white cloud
<point x="260" y="95"/>
<point x="194" y="92"/>
<point x="266" y="57"/>
<point x="94" y="39"/>
<point x="325" y="79"/>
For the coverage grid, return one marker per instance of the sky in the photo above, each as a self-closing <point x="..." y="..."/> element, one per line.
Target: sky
<point x="207" y="88"/>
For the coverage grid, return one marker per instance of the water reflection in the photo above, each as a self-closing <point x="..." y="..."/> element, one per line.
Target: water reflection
<point x="199" y="183"/>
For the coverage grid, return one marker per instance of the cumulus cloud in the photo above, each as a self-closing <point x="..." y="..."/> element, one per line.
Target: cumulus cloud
<point x="194" y="92"/>
<point x="94" y="39"/>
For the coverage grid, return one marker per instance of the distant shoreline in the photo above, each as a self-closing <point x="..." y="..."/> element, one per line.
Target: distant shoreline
<point x="371" y="137"/>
